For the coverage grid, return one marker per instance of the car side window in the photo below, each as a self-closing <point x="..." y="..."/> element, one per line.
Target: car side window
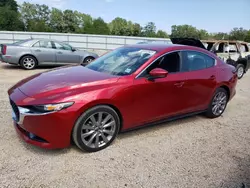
<point x="43" y="44"/>
<point x="192" y="61"/>
<point x="169" y="62"/>
<point x="60" y="46"/>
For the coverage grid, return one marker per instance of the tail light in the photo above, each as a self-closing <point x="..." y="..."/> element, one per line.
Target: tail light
<point x="4" y="49"/>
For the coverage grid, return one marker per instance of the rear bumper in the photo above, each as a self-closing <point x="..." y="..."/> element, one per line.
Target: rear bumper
<point x="9" y="59"/>
<point x="248" y="63"/>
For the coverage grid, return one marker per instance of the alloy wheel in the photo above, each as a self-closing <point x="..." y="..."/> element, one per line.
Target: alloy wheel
<point x="98" y="130"/>
<point x="219" y="103"/>
<point x="240" y="72"/>
<point x="29" y="63"/>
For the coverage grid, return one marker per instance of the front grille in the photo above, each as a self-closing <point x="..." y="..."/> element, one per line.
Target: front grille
<point x="15" y="110"/>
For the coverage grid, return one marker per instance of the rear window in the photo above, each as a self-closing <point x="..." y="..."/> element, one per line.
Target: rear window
<point x="26" y="42"/>
<point x="244" y="48"/>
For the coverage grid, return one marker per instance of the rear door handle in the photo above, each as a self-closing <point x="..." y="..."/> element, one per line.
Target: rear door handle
<point x="179" y="84"/>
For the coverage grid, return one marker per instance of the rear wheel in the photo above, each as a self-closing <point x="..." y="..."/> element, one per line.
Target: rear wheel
<point x="88" y="60"/>
<point x="28" y="62"/>
<point x="240" y="70"/>
<point x="218" y="103"/>
<point x="96" y="128"/>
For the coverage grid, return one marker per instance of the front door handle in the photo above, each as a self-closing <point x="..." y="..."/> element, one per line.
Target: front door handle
<point x="59" y="52"/>
<point x="212" y="77"/>
<point x="37" y="50"/>
<point x="179" y="84"/>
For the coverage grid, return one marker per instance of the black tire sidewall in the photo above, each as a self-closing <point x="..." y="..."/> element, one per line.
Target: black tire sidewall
<point x="27" y="56"/>
<point x="78" y="125"/>
<point x="86" y="59"/>
<point x="210" y="113"/>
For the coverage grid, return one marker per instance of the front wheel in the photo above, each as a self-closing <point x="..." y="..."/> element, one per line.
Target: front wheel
<point x="96" y="128"/>
<point x="240" y="70"/>
<point x="218" y="103"/>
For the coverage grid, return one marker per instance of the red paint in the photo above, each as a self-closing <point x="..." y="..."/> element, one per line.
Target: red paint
<point x="138" y="100"/>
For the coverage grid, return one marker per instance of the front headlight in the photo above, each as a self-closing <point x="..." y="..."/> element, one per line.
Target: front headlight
<point x="53" y="107"/>
<point x="44" y="109"/>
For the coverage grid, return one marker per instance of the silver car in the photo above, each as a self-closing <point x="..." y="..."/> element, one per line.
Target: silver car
<point x="31" y="53"/>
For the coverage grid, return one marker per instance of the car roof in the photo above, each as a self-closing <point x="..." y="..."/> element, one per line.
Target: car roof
<point x="153" y="46"/>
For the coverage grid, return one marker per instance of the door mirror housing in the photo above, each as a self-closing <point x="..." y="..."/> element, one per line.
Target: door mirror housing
<point x="157" y="73"/>
<point x="73" y="49"/>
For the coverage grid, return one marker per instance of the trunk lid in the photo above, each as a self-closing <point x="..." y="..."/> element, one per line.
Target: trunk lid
<point x="188" y="41"/>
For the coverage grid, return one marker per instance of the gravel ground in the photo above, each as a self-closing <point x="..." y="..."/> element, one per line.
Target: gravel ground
<point x="192" y="152"/>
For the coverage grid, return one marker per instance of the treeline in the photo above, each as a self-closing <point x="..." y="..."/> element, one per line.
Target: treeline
<point x="41" y="18"/>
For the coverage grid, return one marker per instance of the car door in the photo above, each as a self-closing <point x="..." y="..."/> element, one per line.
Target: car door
<point x="162" y="97"/>
<point x="200" y="82"/>
<point x="44" y="52"/>
<point x="65" y="54"/>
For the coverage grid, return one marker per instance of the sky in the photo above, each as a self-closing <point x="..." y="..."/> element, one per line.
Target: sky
<point x="212" y="15"/>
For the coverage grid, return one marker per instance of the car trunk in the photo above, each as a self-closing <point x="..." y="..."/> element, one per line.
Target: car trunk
<point x="188" y="41"/>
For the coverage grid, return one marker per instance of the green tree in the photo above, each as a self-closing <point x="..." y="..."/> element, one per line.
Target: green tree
<point x="9" y="16"/>
<point x="100" y="27"/>
<point x="219" y="36"/>
<point x="69" y="21"/>
<point x="35" y="17"/>
<point x="238" y="34"/>
<point x="149" y="30"/>
<point x="184" y="31"/>
<point x="137" y="30"/>
<point x="247" y="39"/>
<point x="161" y="34"/>
<point x="56" y="20"/>
<point x="118" y="26"/>
<point x="203" y="34"/>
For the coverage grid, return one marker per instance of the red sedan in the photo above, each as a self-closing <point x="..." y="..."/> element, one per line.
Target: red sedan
<point x="124" y="89"/>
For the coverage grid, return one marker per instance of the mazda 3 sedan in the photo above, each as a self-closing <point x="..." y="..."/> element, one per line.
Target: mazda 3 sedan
<point x="132" y="86"/>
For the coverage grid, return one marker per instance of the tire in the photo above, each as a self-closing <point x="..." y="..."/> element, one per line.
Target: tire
<point x="88" y="60"/>
<point x="28" y="62"/>
<point x="219" y="94"/>
<point x="89" y="136"/>
<point x="240" y="70"/>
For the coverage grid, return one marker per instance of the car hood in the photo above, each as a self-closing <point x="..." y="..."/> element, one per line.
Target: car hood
<point x="188" y="41"/>
<point x="61" y="80"/>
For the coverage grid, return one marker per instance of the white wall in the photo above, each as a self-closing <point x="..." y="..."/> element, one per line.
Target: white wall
<point x="97" y="43"/>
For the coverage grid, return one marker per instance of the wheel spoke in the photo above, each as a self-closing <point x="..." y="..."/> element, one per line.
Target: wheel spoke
<point x="91" y="139"/>
<point x="97" y="141"/>
<point x="106" y="119"/>
<point x="92" y="118"/>
<point x="104" y="138"/>
<point x="99" y="118"/>
<point x="108" y="132"/>
<point x="112" y="123"/>
<point x="84" y="135"/>
<point x="87" y="127"/>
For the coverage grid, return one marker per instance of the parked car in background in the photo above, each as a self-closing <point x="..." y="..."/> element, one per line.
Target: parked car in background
<point x="31" y="53"/>
<point x="236" y="53"/>
<point x="126" y="88"/>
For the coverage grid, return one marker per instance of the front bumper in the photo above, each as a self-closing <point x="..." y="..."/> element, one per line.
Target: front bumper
<point x="50" y="131"/>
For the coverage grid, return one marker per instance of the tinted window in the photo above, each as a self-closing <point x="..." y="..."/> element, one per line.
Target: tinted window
<point x="169" y="62"/>
<point x="43" y="44"/>
<point x="62" y="46"/>
<point x="195" y="61"/>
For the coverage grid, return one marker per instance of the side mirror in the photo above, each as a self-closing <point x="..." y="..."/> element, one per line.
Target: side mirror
<point x="73" y="49"/>
<point x="157" y="73"/>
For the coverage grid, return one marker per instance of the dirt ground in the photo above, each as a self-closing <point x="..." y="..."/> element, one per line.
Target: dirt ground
<point x="192" y="152"/>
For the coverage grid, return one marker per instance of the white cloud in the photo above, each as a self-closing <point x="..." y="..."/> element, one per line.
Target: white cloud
<point x="51" y="3"/>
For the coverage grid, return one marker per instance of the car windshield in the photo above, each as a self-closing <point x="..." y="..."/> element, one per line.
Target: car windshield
<point x="122" y="61"/>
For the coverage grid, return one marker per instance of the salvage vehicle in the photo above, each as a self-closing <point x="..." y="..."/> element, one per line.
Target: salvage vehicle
<point x="236" y="53"/>
<point x="127" y="88"/>
<point x="31" y="53"/>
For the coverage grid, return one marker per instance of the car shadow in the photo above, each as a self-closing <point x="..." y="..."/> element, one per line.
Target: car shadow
<point x="158" y="126"/>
